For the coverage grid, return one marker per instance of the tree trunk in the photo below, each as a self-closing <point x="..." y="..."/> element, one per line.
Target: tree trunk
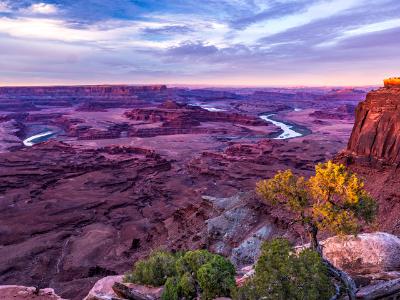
<point x="341" y="276"/>
<point x="313" y="232"/>
<point x="344" y="278"/>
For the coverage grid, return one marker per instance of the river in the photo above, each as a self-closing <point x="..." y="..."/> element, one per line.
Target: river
<point x="210" y="108"/>
<point x="40" y="137"/>
<point x="287" y="133"/>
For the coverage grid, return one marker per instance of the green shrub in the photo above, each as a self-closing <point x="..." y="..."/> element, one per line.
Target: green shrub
<point x="154" y="270"/>
<point x="216" y="278"/>
<point x="245" y="292"/>
<point x="170" y="289"/>
<point x="191" y="261"/>
<point x="281" y="274"/>
<point x="187" y="287"/>
<point x="184" y="275"/>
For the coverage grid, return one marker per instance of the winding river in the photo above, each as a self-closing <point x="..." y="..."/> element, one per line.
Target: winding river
<point x="287" y="133"/>
<point x="37" y="138"/>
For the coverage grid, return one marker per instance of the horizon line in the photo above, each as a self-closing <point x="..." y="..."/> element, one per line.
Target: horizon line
<point x="188" y="85"/>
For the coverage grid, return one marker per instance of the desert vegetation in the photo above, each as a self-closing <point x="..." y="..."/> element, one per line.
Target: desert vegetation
<point x="281" y="273"/>
<point x="332" y="200"/>
<point x="186" y="275"/>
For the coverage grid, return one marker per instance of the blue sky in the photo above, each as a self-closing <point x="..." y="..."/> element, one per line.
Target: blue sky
<point x="215" y="42"/>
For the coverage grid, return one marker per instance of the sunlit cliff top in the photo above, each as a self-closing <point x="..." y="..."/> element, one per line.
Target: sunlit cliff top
<point x="394" y="81"/>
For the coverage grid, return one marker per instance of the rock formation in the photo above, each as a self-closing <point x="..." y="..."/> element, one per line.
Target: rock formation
<point x="376" y="133"/>
<point x="373" y="151"/>
<point x="16" y="292"/>
<point x="368" y="253"/>
<point x="104" y="289"/>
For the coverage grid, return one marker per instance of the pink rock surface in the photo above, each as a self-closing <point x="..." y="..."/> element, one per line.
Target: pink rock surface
<point x="366" y="253"/>
<point x="15" y="292"/>
<point x="103" y="289"/>
<point x="376" y="131"/>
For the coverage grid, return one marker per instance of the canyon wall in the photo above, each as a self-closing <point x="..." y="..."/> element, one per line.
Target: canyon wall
<point x="376" y="133"/>
<point x="373" y="152"/>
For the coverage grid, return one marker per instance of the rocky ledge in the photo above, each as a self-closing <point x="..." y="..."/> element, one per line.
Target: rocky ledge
<point x="375" y="134"/>
<point x="373" y="259"/>
<point x="17" y="292"/>
<point x="373" y="151"/>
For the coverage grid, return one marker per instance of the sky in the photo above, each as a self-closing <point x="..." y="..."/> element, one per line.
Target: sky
<point x="204" y="42"/>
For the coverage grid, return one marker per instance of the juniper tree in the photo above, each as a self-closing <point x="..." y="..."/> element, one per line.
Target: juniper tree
<point x="333" y="200"/>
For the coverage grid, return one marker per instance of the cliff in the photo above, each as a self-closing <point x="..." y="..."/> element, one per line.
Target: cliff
<point x="375" y="135"/>
<point x="373" y="151"/>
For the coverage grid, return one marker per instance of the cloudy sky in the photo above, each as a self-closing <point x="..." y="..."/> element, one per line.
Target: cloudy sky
<point x="215" y="42"/>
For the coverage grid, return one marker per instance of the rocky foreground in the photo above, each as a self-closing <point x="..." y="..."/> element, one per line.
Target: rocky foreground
<point x="372" y="259"/>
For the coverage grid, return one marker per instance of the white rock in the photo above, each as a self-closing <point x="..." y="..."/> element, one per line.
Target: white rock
<point x="365" y="253"/>
<point x="103" y="288"/>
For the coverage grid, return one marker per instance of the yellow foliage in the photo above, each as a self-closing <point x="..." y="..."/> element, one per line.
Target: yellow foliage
<point x="277" y="189"/>
<point x="333" y="199"/>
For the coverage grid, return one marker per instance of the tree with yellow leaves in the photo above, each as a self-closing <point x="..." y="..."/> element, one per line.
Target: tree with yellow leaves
<point x="334" y="200"/>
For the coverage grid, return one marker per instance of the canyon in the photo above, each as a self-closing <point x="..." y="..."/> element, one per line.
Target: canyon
<point x="128" y="169"/>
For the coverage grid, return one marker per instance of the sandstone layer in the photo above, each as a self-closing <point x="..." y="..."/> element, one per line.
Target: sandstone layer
<point x="373" y="151"/>
<point x="376" y="133"/>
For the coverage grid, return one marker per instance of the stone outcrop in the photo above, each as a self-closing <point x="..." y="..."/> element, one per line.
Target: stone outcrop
<point x="368" y="253"/>
<point x="104" y="289"/>
<point x="375" y="136"/>
<point x="373" y="151"/>
<point x="16" y="292"/>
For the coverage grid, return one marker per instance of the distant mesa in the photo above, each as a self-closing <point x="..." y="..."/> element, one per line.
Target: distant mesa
<point x="170" y="104"/>
<point x="391" y="82"/>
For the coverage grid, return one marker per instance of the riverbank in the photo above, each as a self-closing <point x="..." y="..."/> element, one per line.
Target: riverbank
<point x="289" y="130"/>
<point x="41" y="137"/>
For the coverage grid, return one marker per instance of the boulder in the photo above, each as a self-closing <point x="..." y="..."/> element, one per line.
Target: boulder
<point x="367" y="253"/>
<point x="103" y="289"/>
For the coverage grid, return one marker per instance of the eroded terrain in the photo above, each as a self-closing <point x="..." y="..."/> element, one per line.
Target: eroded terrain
<point x="129" y="169"/>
